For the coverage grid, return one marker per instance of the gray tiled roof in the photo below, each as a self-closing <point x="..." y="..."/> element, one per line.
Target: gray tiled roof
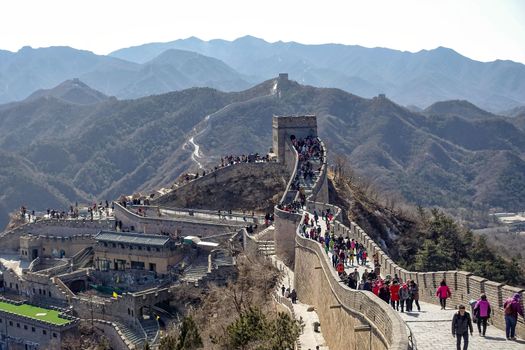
<point x="132" y="238"/>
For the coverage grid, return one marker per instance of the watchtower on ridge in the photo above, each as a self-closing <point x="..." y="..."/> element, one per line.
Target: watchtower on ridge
<point x="284" y="127"/>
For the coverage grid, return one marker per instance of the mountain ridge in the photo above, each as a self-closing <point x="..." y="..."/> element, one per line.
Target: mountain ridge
<point x="142" y="144"/>
<point x="29" y="70"/>
<point x="420" y="78"/>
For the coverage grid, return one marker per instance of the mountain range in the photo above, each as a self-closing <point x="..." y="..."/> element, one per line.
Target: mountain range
<point x="419" y="79"/>
<point x="28" y="70"/>
<point x="451" y="154"/>
<point x="411" y="79"/>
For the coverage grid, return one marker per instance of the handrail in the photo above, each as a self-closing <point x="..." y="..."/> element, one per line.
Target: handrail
<point x="143" y="333"/>
<point x="153" y="218"/>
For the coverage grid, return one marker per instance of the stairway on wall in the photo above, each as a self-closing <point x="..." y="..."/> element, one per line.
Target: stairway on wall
<point x="83" y="258"/>
<point x="266" y="248"/>
<point x="151" y="327"/>
<point x="197" y="270"/>
<point x="221" y="258"/>
<point x="133" y="336"/>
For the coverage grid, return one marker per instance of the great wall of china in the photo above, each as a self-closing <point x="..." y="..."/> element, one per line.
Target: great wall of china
<point x="348" y="316"/>
<point x="318" y="283"/>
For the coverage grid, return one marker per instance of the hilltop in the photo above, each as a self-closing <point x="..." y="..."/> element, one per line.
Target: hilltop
<point x="70" y="91"/>
<point x="114" y="146"/>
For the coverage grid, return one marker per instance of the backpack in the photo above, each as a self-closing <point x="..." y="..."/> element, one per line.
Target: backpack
<point x="509" y="309"/>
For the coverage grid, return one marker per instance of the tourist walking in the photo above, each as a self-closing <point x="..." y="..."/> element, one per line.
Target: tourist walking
<point x="461" y="325"/>
<point x="384" y="292"/>
<point x="293" y="296"/>
<point x="512" y="307"/>
<point x="414" y="295"/>
<point x="443" y="292"/>
<point x="482" y="313"/>
<point x="403" y="297"/>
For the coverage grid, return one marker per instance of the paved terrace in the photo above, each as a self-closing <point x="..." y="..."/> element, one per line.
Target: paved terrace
<point x="431" y="328"/>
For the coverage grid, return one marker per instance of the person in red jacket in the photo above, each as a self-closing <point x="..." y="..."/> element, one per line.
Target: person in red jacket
<point x="340" y="268"/>
<point x="443" y="292"/>
<point x="375" y="288"/>
<point x="394" y="295"/>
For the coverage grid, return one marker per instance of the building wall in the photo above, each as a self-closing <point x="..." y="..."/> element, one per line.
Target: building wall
<point x="29" y="331"/>
<point x="54" y="246"/>
<point x="36" y="287"/>
<point x="60" y="228"/>
<point x="163" y="259"/>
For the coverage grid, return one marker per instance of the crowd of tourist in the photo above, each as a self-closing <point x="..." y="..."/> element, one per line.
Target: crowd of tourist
<point x="225" y="162"/>
<point x="95" y="210"/>
<point x="310" y="151"/>
<point x="401" y="295"/>
<point x="347" y="253"/>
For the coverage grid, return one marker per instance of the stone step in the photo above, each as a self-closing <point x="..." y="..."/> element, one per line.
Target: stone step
<point x="134" y="337"/>
<point x="151" y="327"/>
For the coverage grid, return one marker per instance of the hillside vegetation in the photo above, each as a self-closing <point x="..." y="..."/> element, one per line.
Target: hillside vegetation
<point x="419" y="239"/>
<point x="105" y="149"/>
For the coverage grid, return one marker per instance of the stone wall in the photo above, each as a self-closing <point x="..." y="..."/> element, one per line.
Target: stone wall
<point x="283" y="127"/>
<point x="112" y="333"/>
<point x="180" y="227"/>
<point x="464" y="285"/>
<point x="59" y="228"/>
<point x="349" y="318"/>
<point x="54" y="246"/>
<point x="285" y="227"/>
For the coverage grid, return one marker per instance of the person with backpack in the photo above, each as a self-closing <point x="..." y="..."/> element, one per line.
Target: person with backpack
<point x="414" y="295"/>
<point x="512" y="307"/>
<point x="443" y="292"/>
<point x="461" y="324"/>
<point x="482" y="313"/>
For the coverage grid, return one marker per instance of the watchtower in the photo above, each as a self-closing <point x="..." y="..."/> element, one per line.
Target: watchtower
<point x="284" y="127"/>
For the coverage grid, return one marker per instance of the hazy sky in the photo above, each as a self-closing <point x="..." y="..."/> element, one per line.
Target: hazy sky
<point x="481" y="29"/>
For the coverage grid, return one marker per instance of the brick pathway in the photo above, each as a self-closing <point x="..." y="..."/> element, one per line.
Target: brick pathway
<point x="308" y="339"/>
<point x="431" y="328"/>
